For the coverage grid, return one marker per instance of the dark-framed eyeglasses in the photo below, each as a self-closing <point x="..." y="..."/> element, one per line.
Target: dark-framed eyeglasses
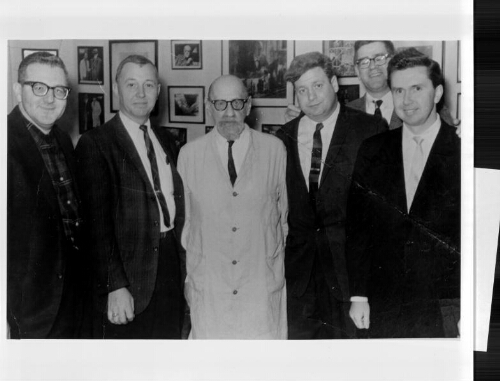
<point x="236" y="104"/>
<point x="41" y="89"/>
<point x="379" y="60"/>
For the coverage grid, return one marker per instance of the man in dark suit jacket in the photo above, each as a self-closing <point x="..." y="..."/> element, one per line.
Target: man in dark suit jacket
<point x="44" y="263"/>
<point x="403" y="246"/>
<point x="315" y="269"/>
<point x="133" y="199"/>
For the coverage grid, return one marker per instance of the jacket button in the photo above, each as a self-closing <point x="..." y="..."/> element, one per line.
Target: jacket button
<point x="234" y="229"/>
<point x="235" y="194"/>
<point x="156" y="223"/>
<point x="235" y="262"/>
<point x="155" y="248"/>
<point x="59" y="276"/>
<point x="235" y="292"/>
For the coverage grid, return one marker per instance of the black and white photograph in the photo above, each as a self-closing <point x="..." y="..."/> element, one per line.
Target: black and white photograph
<point x="90" y="110"/>
<point x="186" y="54"/>
<point x="180" y="135"/>
<point x="341" y="53"/>
<point x="186" y="104"/>
<point x="90" y="65"/>
<point x="348" y="93"/>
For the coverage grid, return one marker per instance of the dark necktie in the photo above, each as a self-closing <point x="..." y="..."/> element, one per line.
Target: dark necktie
<point x="377" y="108"/>
<point x="230" y="162"/>
<point x="155" y="175"/>
<point x="315" y="163"/>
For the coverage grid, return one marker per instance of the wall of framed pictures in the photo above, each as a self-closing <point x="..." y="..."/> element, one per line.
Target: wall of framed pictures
<point x="187" y="67"/>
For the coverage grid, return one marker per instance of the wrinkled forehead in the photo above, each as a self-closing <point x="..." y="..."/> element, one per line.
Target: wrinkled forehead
<point x="228" y="90"/>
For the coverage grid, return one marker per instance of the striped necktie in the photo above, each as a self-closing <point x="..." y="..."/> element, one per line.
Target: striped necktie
<point x="377" y="107"/>
<point x="315" y="163"/>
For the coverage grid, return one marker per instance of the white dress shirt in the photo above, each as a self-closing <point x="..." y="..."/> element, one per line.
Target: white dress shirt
<point x="164" y="170"/>
<point x="386" y="108"/>
<point x="409" y="147"/>
<point x="240" y="148"/>
<point x="307" y="127"/>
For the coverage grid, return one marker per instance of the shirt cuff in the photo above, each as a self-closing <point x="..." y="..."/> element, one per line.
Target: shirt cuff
<point x="359" y="299"/>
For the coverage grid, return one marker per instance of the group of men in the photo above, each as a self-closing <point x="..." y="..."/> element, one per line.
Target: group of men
<point x="338" y="229"/>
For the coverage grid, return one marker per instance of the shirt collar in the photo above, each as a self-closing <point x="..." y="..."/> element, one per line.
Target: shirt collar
<point x="131" y="126"/>
<point x="386" y="99"/>
<point x="429" y="134"/>
<point x="328" y="122"/>
<point x="30" y="123"/>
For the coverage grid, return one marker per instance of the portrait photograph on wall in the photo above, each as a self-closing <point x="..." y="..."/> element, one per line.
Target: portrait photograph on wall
<point x="180" y="135"/>
<point x="121" y="49"/>
<point x="271" y="128"/>
<point x="341" y="53"/>
<point x="261" y="65"/>
<point x="90" y="111"/>
<point x="347" y="93"/>
<point x="90" y="65"/>
<point x="186" y="104"/>
<point x="27" y="52"/>
<point x="186" y="54"/>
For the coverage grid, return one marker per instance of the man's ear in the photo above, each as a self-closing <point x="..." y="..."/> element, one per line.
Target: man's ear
<point x="335" y="83"/>
<point x="18" y="91"/>
<point x="438" y="93"/>
<point x="159" y="88"/>
<point x="115" y="88"/>
<point x="248" y="105"/>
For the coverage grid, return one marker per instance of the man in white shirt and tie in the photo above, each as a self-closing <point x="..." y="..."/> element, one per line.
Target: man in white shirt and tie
<point x="403" y="214"/>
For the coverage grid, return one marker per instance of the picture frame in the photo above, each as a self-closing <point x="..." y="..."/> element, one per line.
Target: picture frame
<point x="432" y="49"/>
<point x="459" y="98"/>
<point x="186" y="104"/>
<point x="341" y="52"/>
<point x="90" y="111"/>
<point x="186" y="54"/>
<point x="261" y="65"/>
<point x="271" y="128"/>
<point x="179" y="134"/>
<point x="90" y="65"/>
<point x="27" y="52"/>
<point x="121" y="49"/>
<point x="347" y="93"/>
<point x="208" y="129"/>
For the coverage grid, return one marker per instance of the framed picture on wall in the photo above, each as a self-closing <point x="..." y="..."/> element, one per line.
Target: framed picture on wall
<point x="121" y="49"/>
<point x="208" y="129"/>
<point x="27" y="52"/>
<point x="186" y="54"/>
<point x="341" y="52"/>
<point x="347" y="93"/>
<point x="271" y="128"/>
<point x="180" y="135"/>
<point x="186" y="104"/>
<point x="90" y="65"/>
<point x="459" y="98"/>
<point x="432" y="49"/>
<point x="90" y="111"/>
<point x="262" y="66"/>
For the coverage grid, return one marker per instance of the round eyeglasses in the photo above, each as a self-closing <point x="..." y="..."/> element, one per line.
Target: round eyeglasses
<point x="379" y="60"/>
<point x="40" y="89"/>
<point x="236" y="104"/>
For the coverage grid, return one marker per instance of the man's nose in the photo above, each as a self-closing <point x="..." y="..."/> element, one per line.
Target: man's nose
<point x="49" y="97"/>
<point x="311" y="95"/>
<point x="229" y="109"/>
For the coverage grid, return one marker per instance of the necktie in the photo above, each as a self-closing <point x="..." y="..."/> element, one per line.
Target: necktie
<point x="230" y="162"/>
<point x="377" y="108"/>
<point x="155" y="175"/>
<point x="416" y="169"/>
<point x="315" y="164"/>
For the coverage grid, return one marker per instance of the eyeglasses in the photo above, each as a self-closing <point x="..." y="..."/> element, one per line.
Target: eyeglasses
<point x="40" y="89"/>
<point x="236" y="104"/>
<point x="379" y="60"/>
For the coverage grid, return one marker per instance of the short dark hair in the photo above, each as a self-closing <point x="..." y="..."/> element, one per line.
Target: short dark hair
<point x="44" y="58"/>
<point x="306" y="62"/>
<point x="389" y="46"/>
<point x="411" y="57"/>
<point x="135" y="59"/>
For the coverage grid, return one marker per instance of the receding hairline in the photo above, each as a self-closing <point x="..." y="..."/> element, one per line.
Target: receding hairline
<point x="232" y="80"/>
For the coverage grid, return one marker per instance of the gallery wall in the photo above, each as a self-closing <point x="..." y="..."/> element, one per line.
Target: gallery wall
<point x="214" y="62"/>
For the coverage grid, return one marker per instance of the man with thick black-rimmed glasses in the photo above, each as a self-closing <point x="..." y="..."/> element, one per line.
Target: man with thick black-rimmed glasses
<point x="44" y="260"/>
<point x="234" y="236"/>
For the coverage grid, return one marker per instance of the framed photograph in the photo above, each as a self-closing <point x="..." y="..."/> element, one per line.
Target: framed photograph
<point x="121" y="49"/>
<point x="186" y="104"/>
<point x="208" y="129"/>
<point x="180" y="135"/>
<point x="262" y="66"/>
<point x="459" y="98"/>
<point x="90" y="65"/>
<point x="347" y="93"/>
<point x="186" y="55"/>
<point x="432" y="49"/>
<point x="27" y="52"/>
<point x="271" y="128"/>
<point x="341" y="52"/>
<point x="90" y="111"/>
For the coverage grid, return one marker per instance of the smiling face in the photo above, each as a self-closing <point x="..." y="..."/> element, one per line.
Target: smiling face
<point x="137" y="88"/>
<point x="415" y="98"/>
<point x="374" y="78"/>
<point x="316" y="94"/>
<point x="44" y="111"/>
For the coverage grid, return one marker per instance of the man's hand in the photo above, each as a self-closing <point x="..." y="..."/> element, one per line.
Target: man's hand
<point x="360" y="314"/>
<point x="120" y="306"/>
<point x="291" y="113"/>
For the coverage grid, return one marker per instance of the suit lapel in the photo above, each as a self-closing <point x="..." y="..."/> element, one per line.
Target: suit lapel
<point x="395" y="121"/>
<point x="294" y="144"/>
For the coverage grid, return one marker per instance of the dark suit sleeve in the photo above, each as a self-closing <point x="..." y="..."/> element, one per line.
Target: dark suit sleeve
<point x="96" y="186"/>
